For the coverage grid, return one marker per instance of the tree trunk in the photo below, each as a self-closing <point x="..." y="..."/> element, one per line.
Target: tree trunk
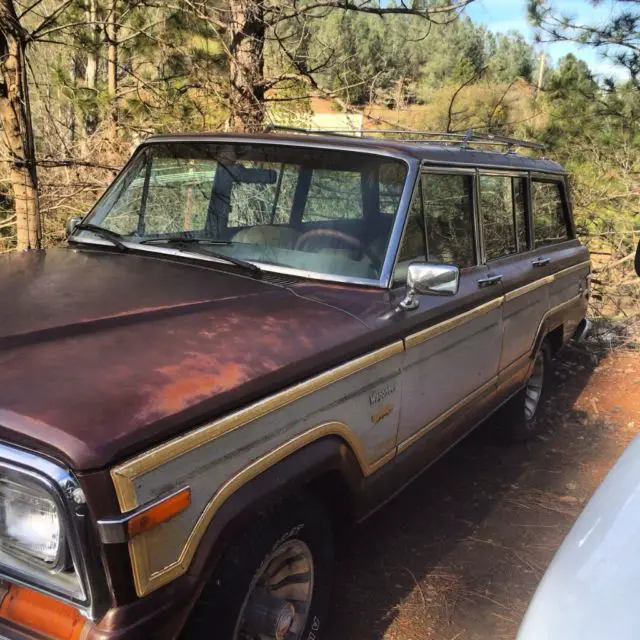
<point x="112" y="60"/>
<point x="246" y="66"/>
<point x="15" y="117"/>
<point x="91" y="72"/>
<point x="72" y="119"/>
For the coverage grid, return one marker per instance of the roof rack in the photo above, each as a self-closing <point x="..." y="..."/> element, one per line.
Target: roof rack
<point x="463" y="140"/>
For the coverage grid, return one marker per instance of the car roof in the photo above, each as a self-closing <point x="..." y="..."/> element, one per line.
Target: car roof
<point x="426" y="152"/>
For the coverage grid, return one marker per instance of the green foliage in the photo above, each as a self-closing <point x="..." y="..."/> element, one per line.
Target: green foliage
<point x="616" y="38"/>
<point x="404" y="59"/>
<point x="511" y="57"/>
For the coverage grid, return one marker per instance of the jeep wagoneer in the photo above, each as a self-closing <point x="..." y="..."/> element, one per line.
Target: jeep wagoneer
<point x="248" y="341"/>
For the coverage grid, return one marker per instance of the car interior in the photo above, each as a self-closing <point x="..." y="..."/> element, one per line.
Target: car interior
<point x="332" y="217"/>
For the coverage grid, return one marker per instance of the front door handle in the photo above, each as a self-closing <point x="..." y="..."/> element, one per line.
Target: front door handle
<point x="490" y="280"/>
<point x="540" y="262"/>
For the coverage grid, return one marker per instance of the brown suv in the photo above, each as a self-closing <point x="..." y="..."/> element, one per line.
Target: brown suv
<point x="248" y="342"/>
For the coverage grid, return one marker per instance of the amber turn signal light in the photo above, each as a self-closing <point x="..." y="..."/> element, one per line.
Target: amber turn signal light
<point x="40" y="613"/>
<point x="159" y="512"/>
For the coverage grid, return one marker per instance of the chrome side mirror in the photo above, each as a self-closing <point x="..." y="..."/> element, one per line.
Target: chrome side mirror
<point x="430" y="279"/>
<point x="71" y="224"/>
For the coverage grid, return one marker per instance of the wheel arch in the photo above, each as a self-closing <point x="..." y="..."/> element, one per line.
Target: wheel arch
<point x="551" y="331"/>
<point x="327" y="468"/>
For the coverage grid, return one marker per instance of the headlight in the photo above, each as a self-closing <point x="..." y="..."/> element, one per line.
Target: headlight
<point x="30" y="525"/>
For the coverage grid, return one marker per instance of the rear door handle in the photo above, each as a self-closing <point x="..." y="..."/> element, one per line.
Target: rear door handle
<point x="490" y="280"/>
<point x="540" y="262"/>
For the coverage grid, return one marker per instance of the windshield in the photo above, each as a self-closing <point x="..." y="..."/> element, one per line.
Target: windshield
<point x="312" y="209"/>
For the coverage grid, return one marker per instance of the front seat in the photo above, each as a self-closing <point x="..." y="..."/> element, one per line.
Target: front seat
<point x="268" y="235"/>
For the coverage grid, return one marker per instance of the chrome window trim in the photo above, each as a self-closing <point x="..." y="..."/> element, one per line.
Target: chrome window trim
<point x="473" y="166"/>
<point x="415" y="193"/>
<point x="397" y="232"/>
<point x="478" y="229"/>
<point x="303" y="142"/>
<point x="503" y="172"/>
<point x="156" y="250"/>
<point x="66" y="492"/>
<point x="393" y="244"/>
<point x="415" y="167"/>
<point x="446" y="169"/>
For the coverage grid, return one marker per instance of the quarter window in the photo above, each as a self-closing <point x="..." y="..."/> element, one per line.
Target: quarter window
<point x="549" y="220"/>
<point x="448" y="210"/>
<point x="496" y="207"/>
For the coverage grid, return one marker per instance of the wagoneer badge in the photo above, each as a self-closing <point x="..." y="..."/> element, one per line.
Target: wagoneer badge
<point x="380" y="394"/>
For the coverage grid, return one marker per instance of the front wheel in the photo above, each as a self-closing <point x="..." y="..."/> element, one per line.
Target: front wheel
<point x="273" y="582"/>
<point x="518" y="420"/>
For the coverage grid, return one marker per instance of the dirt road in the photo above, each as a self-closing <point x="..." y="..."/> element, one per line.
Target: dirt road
<point x="459" y="554"/>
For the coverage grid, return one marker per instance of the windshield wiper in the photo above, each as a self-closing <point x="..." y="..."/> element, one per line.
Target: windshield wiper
<point x="178" y="242"/>
<point x="184" y="240"/>
<point x="107" y="234"/>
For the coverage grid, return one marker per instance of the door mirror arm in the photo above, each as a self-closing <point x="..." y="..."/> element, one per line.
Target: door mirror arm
<point x="429" y="279"/>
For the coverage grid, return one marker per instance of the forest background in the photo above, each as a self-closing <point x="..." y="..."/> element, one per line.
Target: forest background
<point x="82" y="82"/>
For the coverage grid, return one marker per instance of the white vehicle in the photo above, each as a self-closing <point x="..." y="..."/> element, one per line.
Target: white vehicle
<point x="590" y="591"/>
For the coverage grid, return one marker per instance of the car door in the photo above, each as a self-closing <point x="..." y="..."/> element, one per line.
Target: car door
<point x="507" y="242"/>
<point x="565" y="259"/>
<point x="452" y="343"/>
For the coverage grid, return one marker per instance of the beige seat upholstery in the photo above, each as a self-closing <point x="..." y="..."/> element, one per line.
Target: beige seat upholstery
<point x="268" y="235"/>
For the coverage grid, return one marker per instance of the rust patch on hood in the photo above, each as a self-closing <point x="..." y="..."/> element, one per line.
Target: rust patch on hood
<point x="181" y="391"/>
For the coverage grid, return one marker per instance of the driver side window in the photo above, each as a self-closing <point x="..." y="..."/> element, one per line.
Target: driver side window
<point x="440" y="225"/>
<point x="448" y="210"/>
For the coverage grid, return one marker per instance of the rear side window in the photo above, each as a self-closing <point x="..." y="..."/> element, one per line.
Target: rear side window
<point x="448" y="211"/>
<point x="496" y="208"/>
<point x="504" y="215"/>
<point x="549" y="218"/>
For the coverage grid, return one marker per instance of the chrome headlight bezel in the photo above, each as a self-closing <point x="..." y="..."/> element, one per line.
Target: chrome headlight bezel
<point x="74" y="578"/>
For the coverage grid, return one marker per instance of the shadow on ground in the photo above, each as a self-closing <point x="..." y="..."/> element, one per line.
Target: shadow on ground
<point x="459" y="553"/>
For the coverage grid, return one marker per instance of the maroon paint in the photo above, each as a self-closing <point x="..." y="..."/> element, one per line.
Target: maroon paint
<point x="104" y="354"/>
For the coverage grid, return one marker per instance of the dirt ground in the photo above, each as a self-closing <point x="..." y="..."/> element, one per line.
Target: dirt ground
<point x="458" y="555"/>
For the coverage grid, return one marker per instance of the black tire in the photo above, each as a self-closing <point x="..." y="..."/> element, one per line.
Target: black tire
<point x="216" y="614"/>
<point x="515" y="421"/>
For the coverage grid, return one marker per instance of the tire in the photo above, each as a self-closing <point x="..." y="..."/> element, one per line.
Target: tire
<point x="519" y="419"/>
<point x="283" y="539"/>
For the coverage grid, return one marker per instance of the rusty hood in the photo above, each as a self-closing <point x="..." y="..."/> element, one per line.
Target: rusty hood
<point x="104" y="354"/>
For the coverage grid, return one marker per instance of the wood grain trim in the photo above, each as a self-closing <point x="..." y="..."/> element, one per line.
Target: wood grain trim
<point x="146" y="581"/>
<point x="573" y="269"/>
<point x="448" y="325"/>
<point x="528" y="288"/>
<point x="123" y="475"/>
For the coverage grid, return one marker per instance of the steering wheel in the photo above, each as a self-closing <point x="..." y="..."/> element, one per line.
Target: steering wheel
<point x="351" y="241"/>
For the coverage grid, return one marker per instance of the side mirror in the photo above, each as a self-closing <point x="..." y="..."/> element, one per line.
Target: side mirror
<point x="71" y="224"/>
<point x="430" y="279"/>
<point x="638" y="259"/>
